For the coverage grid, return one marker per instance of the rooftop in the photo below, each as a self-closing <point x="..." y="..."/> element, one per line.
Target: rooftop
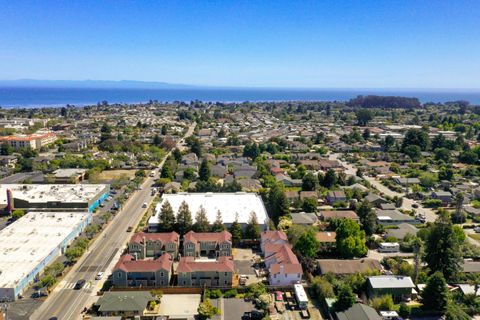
<point x="387" y="281"/>
<point x="51" y="192"/>
<point x="29" y="240"/>
<point x="231" y="205"/>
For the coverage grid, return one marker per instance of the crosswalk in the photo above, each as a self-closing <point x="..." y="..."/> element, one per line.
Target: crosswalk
<point x="71" y="285"/>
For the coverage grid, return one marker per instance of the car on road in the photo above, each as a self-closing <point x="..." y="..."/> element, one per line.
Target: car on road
<point x="129" y="229"/>
<point x="414" y="205"/>
<point x="476" y="229"/>
<point x="144" y="205"/>
<point x="79" y="285"/>
<point x="39" y="294"/>
<point x="99" y="276"/>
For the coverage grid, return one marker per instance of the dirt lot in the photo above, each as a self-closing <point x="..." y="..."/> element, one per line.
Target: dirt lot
<point x="108" y="175"/>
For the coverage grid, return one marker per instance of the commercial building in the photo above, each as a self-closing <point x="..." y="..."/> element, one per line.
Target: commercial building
<point x="64" y="176"/>
<point x="29" y="244"/>
<point x="33" y="141"/>
<point x="53" y="197"/>
<point x="231" y="205"/>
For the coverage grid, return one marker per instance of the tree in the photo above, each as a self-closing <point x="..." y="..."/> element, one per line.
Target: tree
<point x="236" y="231"/>
<point x="204" y="172"/>
<point x="445" y="174"/>
<point x="251" y="150"/>
<point x="166" y="217"/>
<point x="278" y="202"/>
<point x="366" y="134"/>
<point x="364" y="116"/>
<point x="157" y="140"/>
<point x="218" y="225"/>
<point x="388" y="143"/>
<point x="459" y="217"/>
<point x="417" y="137"/>
<point x="442" y="154"/>
<point x="345" y="298"/>
<point x="330" y="179"/>
<point x="184" y="219"/>
<point x="350" y="239"/>
<point x="47" y="281"/>
<point x="164" y="130"/>
<point x="468" y="157"/>
<point x="177" y="155"/>
<point x="322" y="288"/>
<point x="307" y="244"/>
<point x="367" y="216"/>
<point x="413" y="151"/>
<point x="252" y="230"/>
<point x="435" y="293"/>
<point x="442" y="247"/>
<point x="17" y="214"/>
<point x="6" y="149"/>
<point x="201" y="221"/>
<point x="309" y="182"/>
<point x="309" y="205"/>
<point x="167" y="171"/>
<point x="206" y="310"/>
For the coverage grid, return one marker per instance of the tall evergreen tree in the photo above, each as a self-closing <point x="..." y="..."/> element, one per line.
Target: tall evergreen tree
<point x="236" y="231"/>
<point x="184" y="219"/>
<point x="435" y="293"/>
<point x="204" y="172"/>
<point x="278" y="202"/>
<point x="217" y="225"/>
<point x="166" y="217"/>
<point x="253" y="229"/>
<point x="442" y="247"/>
<point x="201" y="221"/>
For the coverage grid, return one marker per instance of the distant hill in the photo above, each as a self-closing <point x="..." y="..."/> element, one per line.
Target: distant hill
<point x="103" y="84"/>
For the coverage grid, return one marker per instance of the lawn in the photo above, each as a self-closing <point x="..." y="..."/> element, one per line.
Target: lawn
<point x="108" y="175"/>
<point x="474" y="236"/>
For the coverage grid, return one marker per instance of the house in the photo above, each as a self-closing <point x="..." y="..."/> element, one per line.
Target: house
<point x="404" y="182"/>
<point x="207" y="244"/>
<point x="216" y="273"/>
<point x="327" y="215"/>
<point x="308" y="195"/>
<point x="245" y="172"/>
<point x="291" y="195"/>
<point x="65" y="176"/>
<point x="401" y="231"/>
<point x="444" y="196"/>
<point x="273" y="237"/>
<point x="219" y="171"/>
<point x="304" y="218"/>
<point x="375" y="199"/>
<point x="400" y="287"/>
<point x="336" y="196"/>
<point x="394" y="217"/>
<point x="152" y="245"/>
<point x="358" y="312"/>
<point x="287" y="181"/>
<point x="250" y="185"/>
<point x="387" y="206"/>
<point x="344" y="267"/>
<point x="327" y="239"/>
<point x="124" y="303"/>
<point x="129" y="272"/>
<point x="282" y="264"/>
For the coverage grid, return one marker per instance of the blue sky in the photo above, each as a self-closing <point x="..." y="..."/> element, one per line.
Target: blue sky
<point x="324" y="44"/>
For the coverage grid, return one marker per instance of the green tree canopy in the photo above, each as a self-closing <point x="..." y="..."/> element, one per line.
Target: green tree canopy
<point x="253" y="230"/>
<point x="184" y="219"/>
<point x="435" y="293"/>
<point x="201" y="221"/>
<point x="350" y="239"/>
<point x="307" y="244"/>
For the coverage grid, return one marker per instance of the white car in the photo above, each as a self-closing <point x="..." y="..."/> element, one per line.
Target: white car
<point x="476" y="229"/>
<point x="99" y="276"/>
<point x="144" y="205"/>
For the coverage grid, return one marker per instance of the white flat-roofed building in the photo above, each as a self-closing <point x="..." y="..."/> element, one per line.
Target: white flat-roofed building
<point x="29" y="244"/>
<point x="55" y="197"/>
<point x="229" y="204"/>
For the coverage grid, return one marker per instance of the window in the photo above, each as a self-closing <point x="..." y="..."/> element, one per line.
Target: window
<point x="119" y="275"/>
<point x="226" y="273"/>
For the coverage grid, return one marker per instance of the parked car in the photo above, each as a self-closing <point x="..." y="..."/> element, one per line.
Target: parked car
<point x="476" y="229"/>
<point x="129" y="229"/>
<point x="99" y="276"/>
<point x="144" y="205"/>
<point x="79" y="285"/>
<point x="278" y="296"/>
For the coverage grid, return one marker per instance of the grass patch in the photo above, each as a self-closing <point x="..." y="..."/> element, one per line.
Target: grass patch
<point x="115" y="174"/>
<point x="474" y="236"/>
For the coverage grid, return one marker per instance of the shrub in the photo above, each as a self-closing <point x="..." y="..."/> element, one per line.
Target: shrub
<point x="382" y="303"/>
<point x="230" y="293"/>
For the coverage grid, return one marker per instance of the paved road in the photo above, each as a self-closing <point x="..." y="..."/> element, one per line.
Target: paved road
<point x="67" y="303"/>
<point x="407" y="203"/>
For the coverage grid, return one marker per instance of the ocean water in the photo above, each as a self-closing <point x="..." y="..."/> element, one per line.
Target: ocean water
<point x="39" y="97"/>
